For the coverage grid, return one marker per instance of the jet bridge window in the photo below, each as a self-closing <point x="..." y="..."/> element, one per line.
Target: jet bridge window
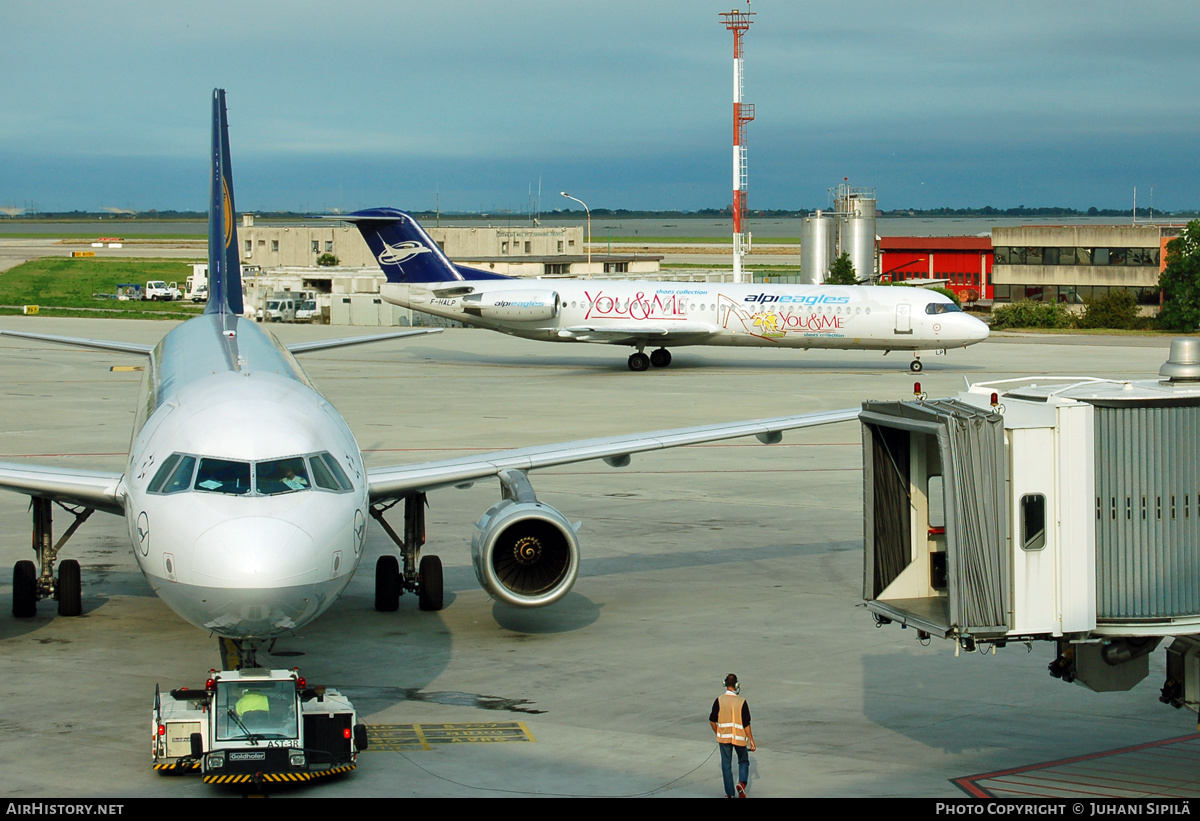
<point x="281" y="476"/>
<point x="1033" y="521"/>
<point x="937" y="504"/>
<point x="223" y="476"/>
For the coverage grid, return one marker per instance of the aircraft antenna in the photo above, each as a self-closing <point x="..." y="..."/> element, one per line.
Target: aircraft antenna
<point x="739" y="23"/>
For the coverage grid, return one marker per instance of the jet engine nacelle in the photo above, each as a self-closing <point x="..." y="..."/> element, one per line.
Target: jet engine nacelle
<point x="526" y="554"/>
<point x="518" y="305"/>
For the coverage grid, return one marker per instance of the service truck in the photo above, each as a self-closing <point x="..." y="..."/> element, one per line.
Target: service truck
<point x="158" y="290"/>
<point x="255" y="726"/>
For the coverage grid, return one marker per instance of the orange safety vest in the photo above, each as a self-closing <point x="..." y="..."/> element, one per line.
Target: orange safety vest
<point x="729" y="720"/>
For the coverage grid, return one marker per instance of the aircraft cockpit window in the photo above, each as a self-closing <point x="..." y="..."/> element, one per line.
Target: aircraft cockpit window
<point x="329" y="474"/>
<point x="162" y="473"/>
<point x="941" y="308"/>
<point x="321" y="475"/>
<point x="181" y="477"/>
<point x="281" y="476"/>
<point x="223" y="476"/>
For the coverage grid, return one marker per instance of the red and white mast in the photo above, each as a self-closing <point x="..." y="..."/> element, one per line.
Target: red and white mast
<point x="739" y="23"/>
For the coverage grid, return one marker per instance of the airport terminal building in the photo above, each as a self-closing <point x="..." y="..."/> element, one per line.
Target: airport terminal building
<point x="1071" y="263"/>
<point x="511" y="250"/>
<point x="1043" y="263"/>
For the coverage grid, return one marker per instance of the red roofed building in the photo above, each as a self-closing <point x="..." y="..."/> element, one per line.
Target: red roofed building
<point x="964" y="262"/>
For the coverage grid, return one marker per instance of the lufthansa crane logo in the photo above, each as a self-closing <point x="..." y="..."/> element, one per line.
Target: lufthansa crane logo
<point x="401" y="252"/>
<point x="143" y="533"/>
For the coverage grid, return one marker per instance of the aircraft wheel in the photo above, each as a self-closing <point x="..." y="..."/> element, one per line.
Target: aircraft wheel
<point x="430" y="577"/>
<point x="24" y="590"/>
<point x="660" y="358"/>
<point x="387" y="584"/>
<point x="915" y="366"/>
<point x="639" y="362"/>
<point x="70" y="588"/>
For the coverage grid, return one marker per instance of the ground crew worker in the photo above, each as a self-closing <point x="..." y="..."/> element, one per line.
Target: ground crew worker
<point x="730" y="720"/>
<point x="251" y="701"/>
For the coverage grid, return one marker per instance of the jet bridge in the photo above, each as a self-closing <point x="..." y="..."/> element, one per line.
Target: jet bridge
<point x="1047" y="509"/>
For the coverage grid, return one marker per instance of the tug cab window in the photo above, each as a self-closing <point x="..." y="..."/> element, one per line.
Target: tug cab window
<point x="256" y="710"/>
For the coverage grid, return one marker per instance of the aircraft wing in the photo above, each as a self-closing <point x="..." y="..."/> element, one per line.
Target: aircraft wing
<point x="395" y="482"/>
<point x="679" y="334"/>
<point x="325" y="344"/>
<point x="82" y="342"/>
<point x="90" y="488"/>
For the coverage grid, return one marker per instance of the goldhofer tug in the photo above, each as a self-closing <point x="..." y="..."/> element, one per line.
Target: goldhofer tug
<point x="256" y="726"/>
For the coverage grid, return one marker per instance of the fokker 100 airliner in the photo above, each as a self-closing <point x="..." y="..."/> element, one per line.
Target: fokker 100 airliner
<point x="245" y="493"/>
<point x="660" y="314"/>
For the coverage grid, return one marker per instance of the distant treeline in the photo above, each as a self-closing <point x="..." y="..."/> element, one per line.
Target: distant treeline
<point x="621" y="213"/>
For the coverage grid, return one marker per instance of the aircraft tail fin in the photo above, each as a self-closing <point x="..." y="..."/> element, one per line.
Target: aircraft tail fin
<point x="404" y="250"/>
<point x="224" y="262"/>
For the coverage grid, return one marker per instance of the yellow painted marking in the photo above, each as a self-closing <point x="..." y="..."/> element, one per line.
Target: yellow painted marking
<point x="126" y="368"/>
<point x="403" y="737"/>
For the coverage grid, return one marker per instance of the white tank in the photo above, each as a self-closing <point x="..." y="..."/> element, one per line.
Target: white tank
<point x="817" y="247"/>
<point x="856" y="228"/>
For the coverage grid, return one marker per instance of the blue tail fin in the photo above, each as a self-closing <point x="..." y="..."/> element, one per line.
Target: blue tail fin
<point x="405" y="252"/>
<point x="224" y="263"/>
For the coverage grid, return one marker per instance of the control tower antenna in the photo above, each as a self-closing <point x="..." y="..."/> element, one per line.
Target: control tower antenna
<point x="739" y="23"/>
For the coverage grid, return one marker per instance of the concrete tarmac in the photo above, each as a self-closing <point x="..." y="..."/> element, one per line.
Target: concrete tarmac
<point x="696" y="562"/>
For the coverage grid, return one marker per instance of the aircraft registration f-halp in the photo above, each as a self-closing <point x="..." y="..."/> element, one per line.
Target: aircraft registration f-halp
<point x="660" y="314"/>
<point x="246" y="496"/>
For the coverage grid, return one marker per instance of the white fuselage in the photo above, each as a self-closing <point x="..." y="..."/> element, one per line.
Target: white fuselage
<point x="685" y="313"/>
<point x="247" y="558"/>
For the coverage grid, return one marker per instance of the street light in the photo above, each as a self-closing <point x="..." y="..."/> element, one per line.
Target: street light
<point x="589" y="227"/>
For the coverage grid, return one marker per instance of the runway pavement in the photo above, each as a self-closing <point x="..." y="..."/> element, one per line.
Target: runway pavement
<point x="697" y="562"/>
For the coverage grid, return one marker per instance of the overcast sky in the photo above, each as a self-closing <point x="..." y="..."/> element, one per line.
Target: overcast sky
<point x="625" y="104"/>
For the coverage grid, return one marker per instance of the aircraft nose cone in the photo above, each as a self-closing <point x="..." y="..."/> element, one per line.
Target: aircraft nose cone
<point x="254" y="552"/>
<point x="978" y="330"/>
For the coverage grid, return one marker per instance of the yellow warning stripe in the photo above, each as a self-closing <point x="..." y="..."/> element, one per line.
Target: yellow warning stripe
<point x="181" y="766"/>
<point x="246" y="778"/>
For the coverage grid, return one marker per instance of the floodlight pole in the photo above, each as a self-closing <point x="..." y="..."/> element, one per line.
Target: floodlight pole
<point x="589" y="228"/>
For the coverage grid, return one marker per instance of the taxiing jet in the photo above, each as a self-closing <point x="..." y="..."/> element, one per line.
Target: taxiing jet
<point x="245" y="493"/>
<point x="659" y="314"/>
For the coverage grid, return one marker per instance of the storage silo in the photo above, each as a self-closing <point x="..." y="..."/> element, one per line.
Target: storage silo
<point x="856" y="213"/>
<point x="817" y="248"/>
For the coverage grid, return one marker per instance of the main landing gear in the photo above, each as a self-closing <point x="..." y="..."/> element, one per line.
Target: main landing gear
<point x="640" y="362"/>
<point x="425" y="578"/>
<point x="33" y="580"/>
